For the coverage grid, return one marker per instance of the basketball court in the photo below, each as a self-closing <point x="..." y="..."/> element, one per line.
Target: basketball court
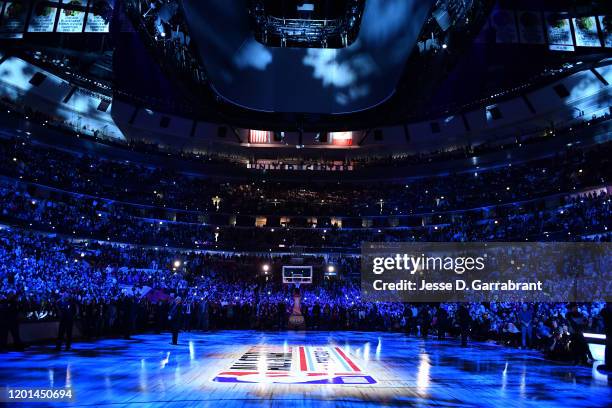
<point x="247" y="368"/>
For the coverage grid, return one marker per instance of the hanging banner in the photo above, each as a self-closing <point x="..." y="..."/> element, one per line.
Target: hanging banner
<point x="559" y="32"/>
<point x="14" y="14"/>
<point x="99" y="16"/>
<point x="42" y="18"/>
<point x="585" y="29"/>
<point x="531" y="29"/>
<point x="72" y="16"/>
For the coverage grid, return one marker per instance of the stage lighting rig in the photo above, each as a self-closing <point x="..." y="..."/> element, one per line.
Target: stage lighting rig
<point x="306" y="23"/>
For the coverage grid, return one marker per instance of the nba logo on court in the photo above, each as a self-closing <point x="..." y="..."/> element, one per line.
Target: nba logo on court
<point x="295" y="365"/>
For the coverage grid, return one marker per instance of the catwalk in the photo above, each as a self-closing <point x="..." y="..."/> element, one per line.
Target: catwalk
<point x="251" y="369"/>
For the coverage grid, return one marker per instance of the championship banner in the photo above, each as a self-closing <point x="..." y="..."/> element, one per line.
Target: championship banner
<point x="295" y="365"/>
<point x="72" y="16"/>
<point x="504" y="23"/>
<point x="531" y="29"/>
<point x="605" y="23"/>
<point x="14" y="14"/>
<point x="585" y="29"/>
<point x="99" y="16"/>
<point x="559" y="32"/>
<point x="42" y="17"/>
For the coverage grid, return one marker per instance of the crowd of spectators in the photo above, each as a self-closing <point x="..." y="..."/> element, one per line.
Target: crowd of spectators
<point x="152" y="255"/>
<point x="571" y="218"/>
<point x="566" y="197"/>
<point x="166" y="188"/>
<point x="119" y="290"/>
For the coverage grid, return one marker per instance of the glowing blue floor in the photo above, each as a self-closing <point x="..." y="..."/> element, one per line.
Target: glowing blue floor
<point x="353" y="369"/>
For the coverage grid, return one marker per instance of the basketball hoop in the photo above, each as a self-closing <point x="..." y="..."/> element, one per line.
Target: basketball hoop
<point x="297" y="274"/>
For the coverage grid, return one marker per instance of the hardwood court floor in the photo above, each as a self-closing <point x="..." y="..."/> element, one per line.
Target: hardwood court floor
<point x="203" y="369"/>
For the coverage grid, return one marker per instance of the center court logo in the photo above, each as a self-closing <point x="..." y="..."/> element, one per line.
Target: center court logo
<point x="295" y="365"/>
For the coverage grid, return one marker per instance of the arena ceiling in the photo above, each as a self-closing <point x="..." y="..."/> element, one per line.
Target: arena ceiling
<point x="311" y="80"/>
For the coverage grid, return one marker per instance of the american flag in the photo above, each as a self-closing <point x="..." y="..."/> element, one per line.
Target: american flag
<point x="259" y="136"/>
<point x="341" y="138"/>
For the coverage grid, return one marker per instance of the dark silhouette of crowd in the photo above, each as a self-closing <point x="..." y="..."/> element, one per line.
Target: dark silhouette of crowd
<point x="141" y="184"/>
<point x="565" y="198"/>
<point x="117" y="290"/>
<point x="582" y="216"/>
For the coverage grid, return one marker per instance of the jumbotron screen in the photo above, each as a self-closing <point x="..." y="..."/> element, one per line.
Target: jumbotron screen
<point x="357" y="77"/>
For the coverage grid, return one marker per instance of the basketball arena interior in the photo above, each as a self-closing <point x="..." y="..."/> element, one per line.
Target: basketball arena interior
<point x="351" y="203"/>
